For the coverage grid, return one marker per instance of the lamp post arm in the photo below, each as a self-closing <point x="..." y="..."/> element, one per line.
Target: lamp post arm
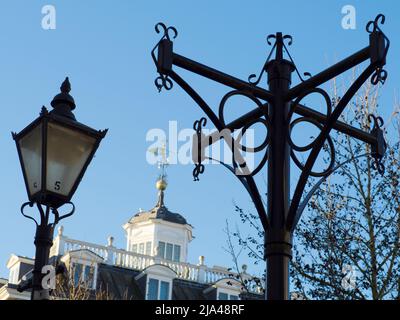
<point x="199" y="100"/>
<point x="166" y="59"/>
<point x="251" y="187"/>
<point x="250" y="183"/>
<point x="320" y="140"/>
<point x="307" y="112"/>
<point x="220" y="77"/>
<point x="376" y="51"/>
<point x="329" y="73"/>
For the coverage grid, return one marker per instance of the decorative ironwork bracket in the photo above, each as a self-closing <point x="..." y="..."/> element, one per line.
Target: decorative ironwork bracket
<point x="378" y="149"/>
<point x="165" y="59"/>
<point x="199" y="167"/>
<point x="45" y="214"/>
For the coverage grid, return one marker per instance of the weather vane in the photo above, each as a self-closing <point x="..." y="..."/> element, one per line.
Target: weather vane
<point x="162" y="163"/>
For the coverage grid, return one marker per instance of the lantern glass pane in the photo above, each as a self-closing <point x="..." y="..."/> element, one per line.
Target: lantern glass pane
<point x="67" y="153"/>
<point x="31" y="152"/>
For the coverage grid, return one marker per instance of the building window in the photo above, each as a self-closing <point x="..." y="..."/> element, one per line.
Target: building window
<point x="77" y="273"/>
<point x="225" y="296"/>
<point x="177" y="253"/>
<point x="170" y="248"/>
<point x="157" y="290"/>
<point x="148" y="248"/>
<point x="161" y="249"/>
<point x="164" y="290"/>
<point x="88" y="276"/>
<point x="141" y="248"/>
<point x="169" y="251"/>
<point x="83" y="274"/>
<point x="152" y="290"/>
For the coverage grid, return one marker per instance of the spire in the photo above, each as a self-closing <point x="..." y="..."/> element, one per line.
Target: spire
<point x="161" y="183"/>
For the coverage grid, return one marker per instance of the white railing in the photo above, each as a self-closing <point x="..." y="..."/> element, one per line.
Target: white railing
<point x="122" y="258"/>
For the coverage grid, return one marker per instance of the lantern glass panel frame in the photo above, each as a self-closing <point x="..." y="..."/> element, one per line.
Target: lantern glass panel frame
<point x="54" y="153"/>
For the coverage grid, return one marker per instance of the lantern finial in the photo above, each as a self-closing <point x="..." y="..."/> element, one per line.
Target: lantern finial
<point x="66" y="86"/>
<point x="64" y="103"/>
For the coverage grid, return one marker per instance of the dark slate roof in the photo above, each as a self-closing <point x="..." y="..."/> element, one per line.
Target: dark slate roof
<point x="119" y="282"/>
<point x="188" y="290"/>
<point x="158" y="212"/>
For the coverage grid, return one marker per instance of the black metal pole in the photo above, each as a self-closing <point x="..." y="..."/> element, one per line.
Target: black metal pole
<point x="43" y="243"/>
<point x="277" y="239"/>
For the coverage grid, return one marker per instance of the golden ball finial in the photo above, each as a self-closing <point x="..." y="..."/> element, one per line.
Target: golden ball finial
<point x="161" y="184"/>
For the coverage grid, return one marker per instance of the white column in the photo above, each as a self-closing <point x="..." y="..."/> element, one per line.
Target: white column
<point x="59" y="243"/>
<point x="201" y="277"/>
<point x="110" y="251"/>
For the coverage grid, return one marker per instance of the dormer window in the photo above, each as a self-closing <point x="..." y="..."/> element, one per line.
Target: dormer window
<point x="83" y="275"/>
<point x="18" y="267"/>
<point x="226" y="289"/>
<point x="158" y="289"/>
<point x="82" y="265"/>
<point x="227" y="296"/>
<point x="157" y="281"/>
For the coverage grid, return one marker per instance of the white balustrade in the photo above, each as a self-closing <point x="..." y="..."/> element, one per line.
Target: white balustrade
<point x="125" y="259"/>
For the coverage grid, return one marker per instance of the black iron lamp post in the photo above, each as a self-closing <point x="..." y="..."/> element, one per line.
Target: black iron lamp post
<point x="275" y="110"/>
<point x="54" y="151"/>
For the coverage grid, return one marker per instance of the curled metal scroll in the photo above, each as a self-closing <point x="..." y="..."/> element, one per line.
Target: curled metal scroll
<point x="380" y="75"/>
<point x="233" y="93"/>
<point x="306" y="74"/>
<point x="199" y="167"/>
<point x="161" y="27"/>
<point x="265" y="121"/>
<point x="264" y="70"/>
<point x="45" y="214"/>
<point x="30" y="204"/>
<point x="291" y="124"/>
<point x="252" y="76"/>
<point x="379" y="150"/>
<point x="163" y="80"/>
<point x="58" y="218"/>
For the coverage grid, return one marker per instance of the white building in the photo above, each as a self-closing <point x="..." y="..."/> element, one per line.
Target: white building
<point x="153" y="266"/>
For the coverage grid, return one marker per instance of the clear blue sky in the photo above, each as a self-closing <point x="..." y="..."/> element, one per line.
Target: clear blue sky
<point x="104" y="47"/>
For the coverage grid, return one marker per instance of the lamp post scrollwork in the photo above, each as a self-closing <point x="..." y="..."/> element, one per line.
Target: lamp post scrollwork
<point x="275" y="109"/>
